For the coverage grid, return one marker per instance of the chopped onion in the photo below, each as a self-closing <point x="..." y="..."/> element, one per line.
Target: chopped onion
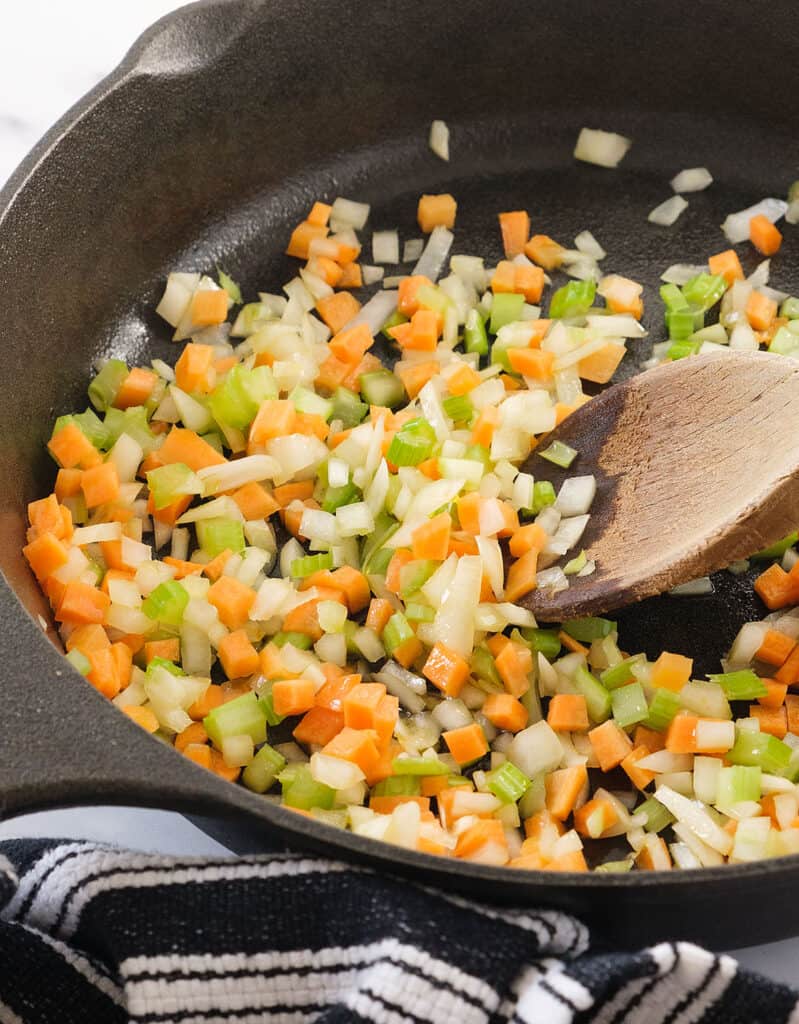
<point x="695" y="588"/>
<point x="371" y="275"/>
<point x="681" y="273"/>
<point x="535" y="749"/>
<point x="355" y="520"/>
<point x="412" y="249"/>
<point x="736" y="226"/>
<point x="693" y="179"/>
<point x="235" y="474"/>
<point x="177" y="296"/>
<point x="553" y="579"/>
<point x="431" y="262"/>
<point x="335" y="772"/>
<point x="376" y="311"/>
<point x="439" y="139"/>
<point x="667" y="213"/>
<point x="84" y="535"/>
<point x="619" y="325"/>
<point x="575" y="495"/>
<point x="454" y="622"/>
<point x="605" y="149"/>
<point x="585" y="242"/>
<point x="349" y="213"/>
<point x="385" y="247"/>
<point x="760" y="274"/>
<point x="452" y="714"/>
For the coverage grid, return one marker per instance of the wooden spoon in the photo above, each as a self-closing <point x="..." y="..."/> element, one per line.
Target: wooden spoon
<point x="697" y="465"/>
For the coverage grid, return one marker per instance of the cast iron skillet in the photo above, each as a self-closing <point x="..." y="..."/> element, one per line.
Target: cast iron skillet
<point x="212" y="138"/>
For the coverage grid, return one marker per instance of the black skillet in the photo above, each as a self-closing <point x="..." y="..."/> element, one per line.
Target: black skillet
<point x="209" y="142"/>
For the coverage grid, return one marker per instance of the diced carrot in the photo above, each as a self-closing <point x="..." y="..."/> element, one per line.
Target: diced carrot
<point x="353" y="585"/>
<point x="571" y="644"/>
<point x="568" y="712"/>
<point x="297" y="491"/>
<point x="530" y="537"/>
<point x="219" y="766"/>
<point x="610" y="744"/>
<point x="304" y="618"/>
<point x="351" y="344"/>
<point x="330" y="272"/>
<point x="331" y="373"/>
<point x="186" y="446"/>
<point x="182" y="567"/>
<point x="332" y="693"/>
<point x="529" y="281"/>
<point x="193" y="371"/>
<point x="123" y="660"/>
<point x="45" y="554"/>
<point x="789" y="672"/>
<point x="408" y="651"/>
<point x="82" y="603"/>
<point x="100" y="485"/>
<point x="67" y="483"/>
<point x="319" y="215"/>
<point x="380" y="611"/>
<point x="386" y="718"/>
<point x="221" y="366"/>
<point x="515" y="228"/>
<point x="436" y="211"/>
<point x="772" y="720"/>
<point x="209" y="307"/>
<point x="293" y="696"/>
<point x="765" y="237"/>
<point x="90" y="637"/>
<point x="424" y="329"/>
<point x="649" y="738"/>
<point x="318" y="726"/>
<point x="600" y="366"/>
<point x="514" y="664"/>
<point x="775" y="588"/>
<point x="400" y="558"/>
<point x="775" y="648"/>
<point x="351" y="276"/>
<point x="532" y="362"/>
<point x="646" y="858"/>
<point x="466" y="744"/>
<point x="521" y="578"/>
<point x="133" y="642"/>
<point x="103" y="673"/>
<point x="446" y="670"/>
<point x="214" y="569"/>
<point x="204" y="705"/>
<point x="302" y="236"/>
<point x="168" y="649"/>
<point x="469" y="512"/>
<point x="200" y="753"/>
<point x="136" y="388"/>
<point x="275" y="418"/>
<point x="254" y="501"/>
<point x="505" y="712"/>
<point x="595" y="817"/>
<point x="407" y="296"/>
<point x="462" y="543"/>
<point x="70" y="447"/>
<point x="368" y="364"/>
<point x="681" y="734"/>
<point x="430" y="469"/>
<point x="544" y="251"/>
<point x="503" y="280"/>
<point x="760" y="311"/>
<point x="360" y="705"/>
<point x="142" y="716"/>
<point x="563" y="790"/>
<point x="414" y="376"/>
<point x="356" y="745"/>
<point x="463" y="380"/>
<point x="728" y="265"/>
<point x="194" y="733"/>
<point x="639" y="777"/>
<point x="292" y="514"/>
<point x="775" y="697"/>
<point x="430" y="539"/>
<point x="671" y="671"/>
<point x="485" y="842"/>
<point x="237" y="655"/>
<point x="169" y="514"/>
<point x="337" y="310"/>
<point x="232" y="599"/>
<point x="792" y="712"/>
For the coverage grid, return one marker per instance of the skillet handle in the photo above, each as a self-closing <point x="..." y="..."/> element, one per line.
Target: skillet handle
<point x="62" y="743"/>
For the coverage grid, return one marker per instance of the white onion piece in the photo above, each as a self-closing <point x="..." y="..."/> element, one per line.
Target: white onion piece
<point x="585" y="242"/>
<point x="667" y="213"/>
<point x="412" y="249"/>
<point x="693" y="179"/>
<point x="535" y="749"/>
<point x="454" y="621"/>
<point x="397" y="688"/>
<point x="232" y="475"/>
<point x="694" y="588"/>
<point x="385" y="247"/>
<point x="435" y="253"/>
<point x="439" y="139"/>
<point x="177" y="296"/>
<point x="371" y="275"/>
<point x="376" y="311"/>
<point x="736" y="226"/>
<point x="681" y="273"/>
<point x="84" y="535"/>
<point x="605" y="149"/>
<point x="553" y="579"/>
<point x="618" y="325"/>
<point x="575" y="495"/>
<point x="760" y="274"/>
<point x="349" y="213"/>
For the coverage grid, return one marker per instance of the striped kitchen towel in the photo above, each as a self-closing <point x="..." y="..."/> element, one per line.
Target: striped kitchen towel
<point x="92" y="933"/>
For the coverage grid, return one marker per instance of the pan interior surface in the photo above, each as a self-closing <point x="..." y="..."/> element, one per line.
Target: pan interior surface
<point x="196" y="157"/>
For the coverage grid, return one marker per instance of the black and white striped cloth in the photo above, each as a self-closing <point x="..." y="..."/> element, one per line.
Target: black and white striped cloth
<point x="92" y="933"/>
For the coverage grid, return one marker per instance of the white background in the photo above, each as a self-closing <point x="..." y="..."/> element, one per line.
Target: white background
<point x="51" y="52"/>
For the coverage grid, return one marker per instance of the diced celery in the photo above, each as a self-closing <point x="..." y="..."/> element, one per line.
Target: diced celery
<point x="596" y="696"/>
<point x="398" y="785"/>
<point x="230" y="402"/>
<point x="629" y="705"/>
<point x="418" y="766"/>
<point x="543" y="496"/>
<point x="483" y="666"/>
<point x="173" y="481"/>
<point x="103" y="389"/>
<point x="621" y="674"/>
<point x="230" y="286"/>
<point x="308" y="401"/>
<point x="299" y="640"/>
<point x="382" y="387"/>
<point x="785" y="342"/>
<point x="459" y="408"/>
<point x="412" y="444"/>
<point x="475" y="338"/>
<point x="589" y="629"/>
<point x="79" y="661"/>
<point x="672" y="297"/>
<point x="682" y="323"/>
<point x="560" y="454"/>
<point x="543" y="641"/>
<point x="419" y="612"/>
<point x="170" y="666"/>
<point x="394" y="320"/>
<point x="385" y="526"/>
<point x="217" y="535"/>
<point x="268" y="707"/>
<point x="478" y="453"/>
<point x="682" y="349"/>
<point x="379" y="562"/>
<point x="534" y="799"/>
<point x="506" y="308"/>
<point x="347" y="408"/>
<point x="337" y="497"/>
<point x="742" y="685"/>
<point x="760" y="749"/>
<point x="737" y="784"/>
<point x="414" y="575"/>
<point x="777" y="550"/>
<point x="572" y="300"/>
<point x="167" y="603"/>
<point x="301" y="790"/>
<point x="790" y="308"/>
<point x="508" y="783"/>
<point x="615" y="867"/>
<point x="657" y="817"/>
<point x="243" y="716"/>
<point x="261" y="772"/>
<point x="397" y="630"/>
<point x="307" y="566"/>
<point x="663" y="706"/>
<point x="132" y="421"/>
<point x="704" y="290"/>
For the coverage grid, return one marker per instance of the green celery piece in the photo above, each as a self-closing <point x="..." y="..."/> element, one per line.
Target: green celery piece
<point x="629" y="705"/>
<point x="380" y="561"/>
<point x="704" y="290"/>
<point x="167" y="603"/>
<point x="596" y="696"/>
<point x="424" y="766"/>
<point x="657" y="817"/>
<point x="217" y="535"/>
<point x="682" y="349"/>
<point x="230" y="402"/>
<point x="479" y="453"/>
<point x="621" y="674"/>
<point x="559" y="453"/>
<point x="663" y="706"/>
<point x="615" y="867"/>
<point x="742" y="685"/>
<point x="348" y="408"/>
<point x="572" y="300"/>
<point x="307" y="401"/>
<point x="173" y="481"/>
<point x="508" y="783"/>
<point x="79" y="661"/>
<point x="672" y="297"/>
<point x="398" y="785"/>
<point x="534" y="799"/>
<point x="261" y="772"/>
<point x="170" y="666"/>
<point x="543" y="496"/>
<point x="506" y="308"/>
<point x="682" y="323"/>
<point x="483" y="666"/>
<point x="785" y="342"/>
<point x="499" y="356"/>
<point x="431" y="297"/>
<point x="790" y="308"/>
<point x="268" y="707"/>
<point x="103" y="389"/>
<point x="336" y="497"/>
<point x="412" y="444"/>
<point x="475" y="338"/>
<point x="738" y="783"/>
<point x="394" y="320"/>
<point x="460" y="409"/>
<point x="134" y="422"/>
<point x="230" y="286"/>
<point x="760" y="749"/>
<point x="588" y="629"/>
<point x="419" y="612"/>
<point x="299" y="640"/>
<point x="576" y="564"/>
<point x="307" y="566"/>
<point x="397" y="630"/>
<point x="385" y="526"/>
<point x="776" y="550"/>
<point x="249" y="316"/>
<point x="544" y="641"/>
<point x="215" y="441"/>
<point x="414" y="575"/>
<point x="382" y="387"/>
<point x="302" y="791"/>
<point x="239" y="717"/>
<point x="259" y="384"/>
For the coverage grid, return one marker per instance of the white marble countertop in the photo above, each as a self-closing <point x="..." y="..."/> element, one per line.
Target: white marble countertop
<point x="50" y="54"/>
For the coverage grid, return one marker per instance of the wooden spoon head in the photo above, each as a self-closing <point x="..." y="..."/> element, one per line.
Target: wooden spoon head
<point x="696" y="466"/>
